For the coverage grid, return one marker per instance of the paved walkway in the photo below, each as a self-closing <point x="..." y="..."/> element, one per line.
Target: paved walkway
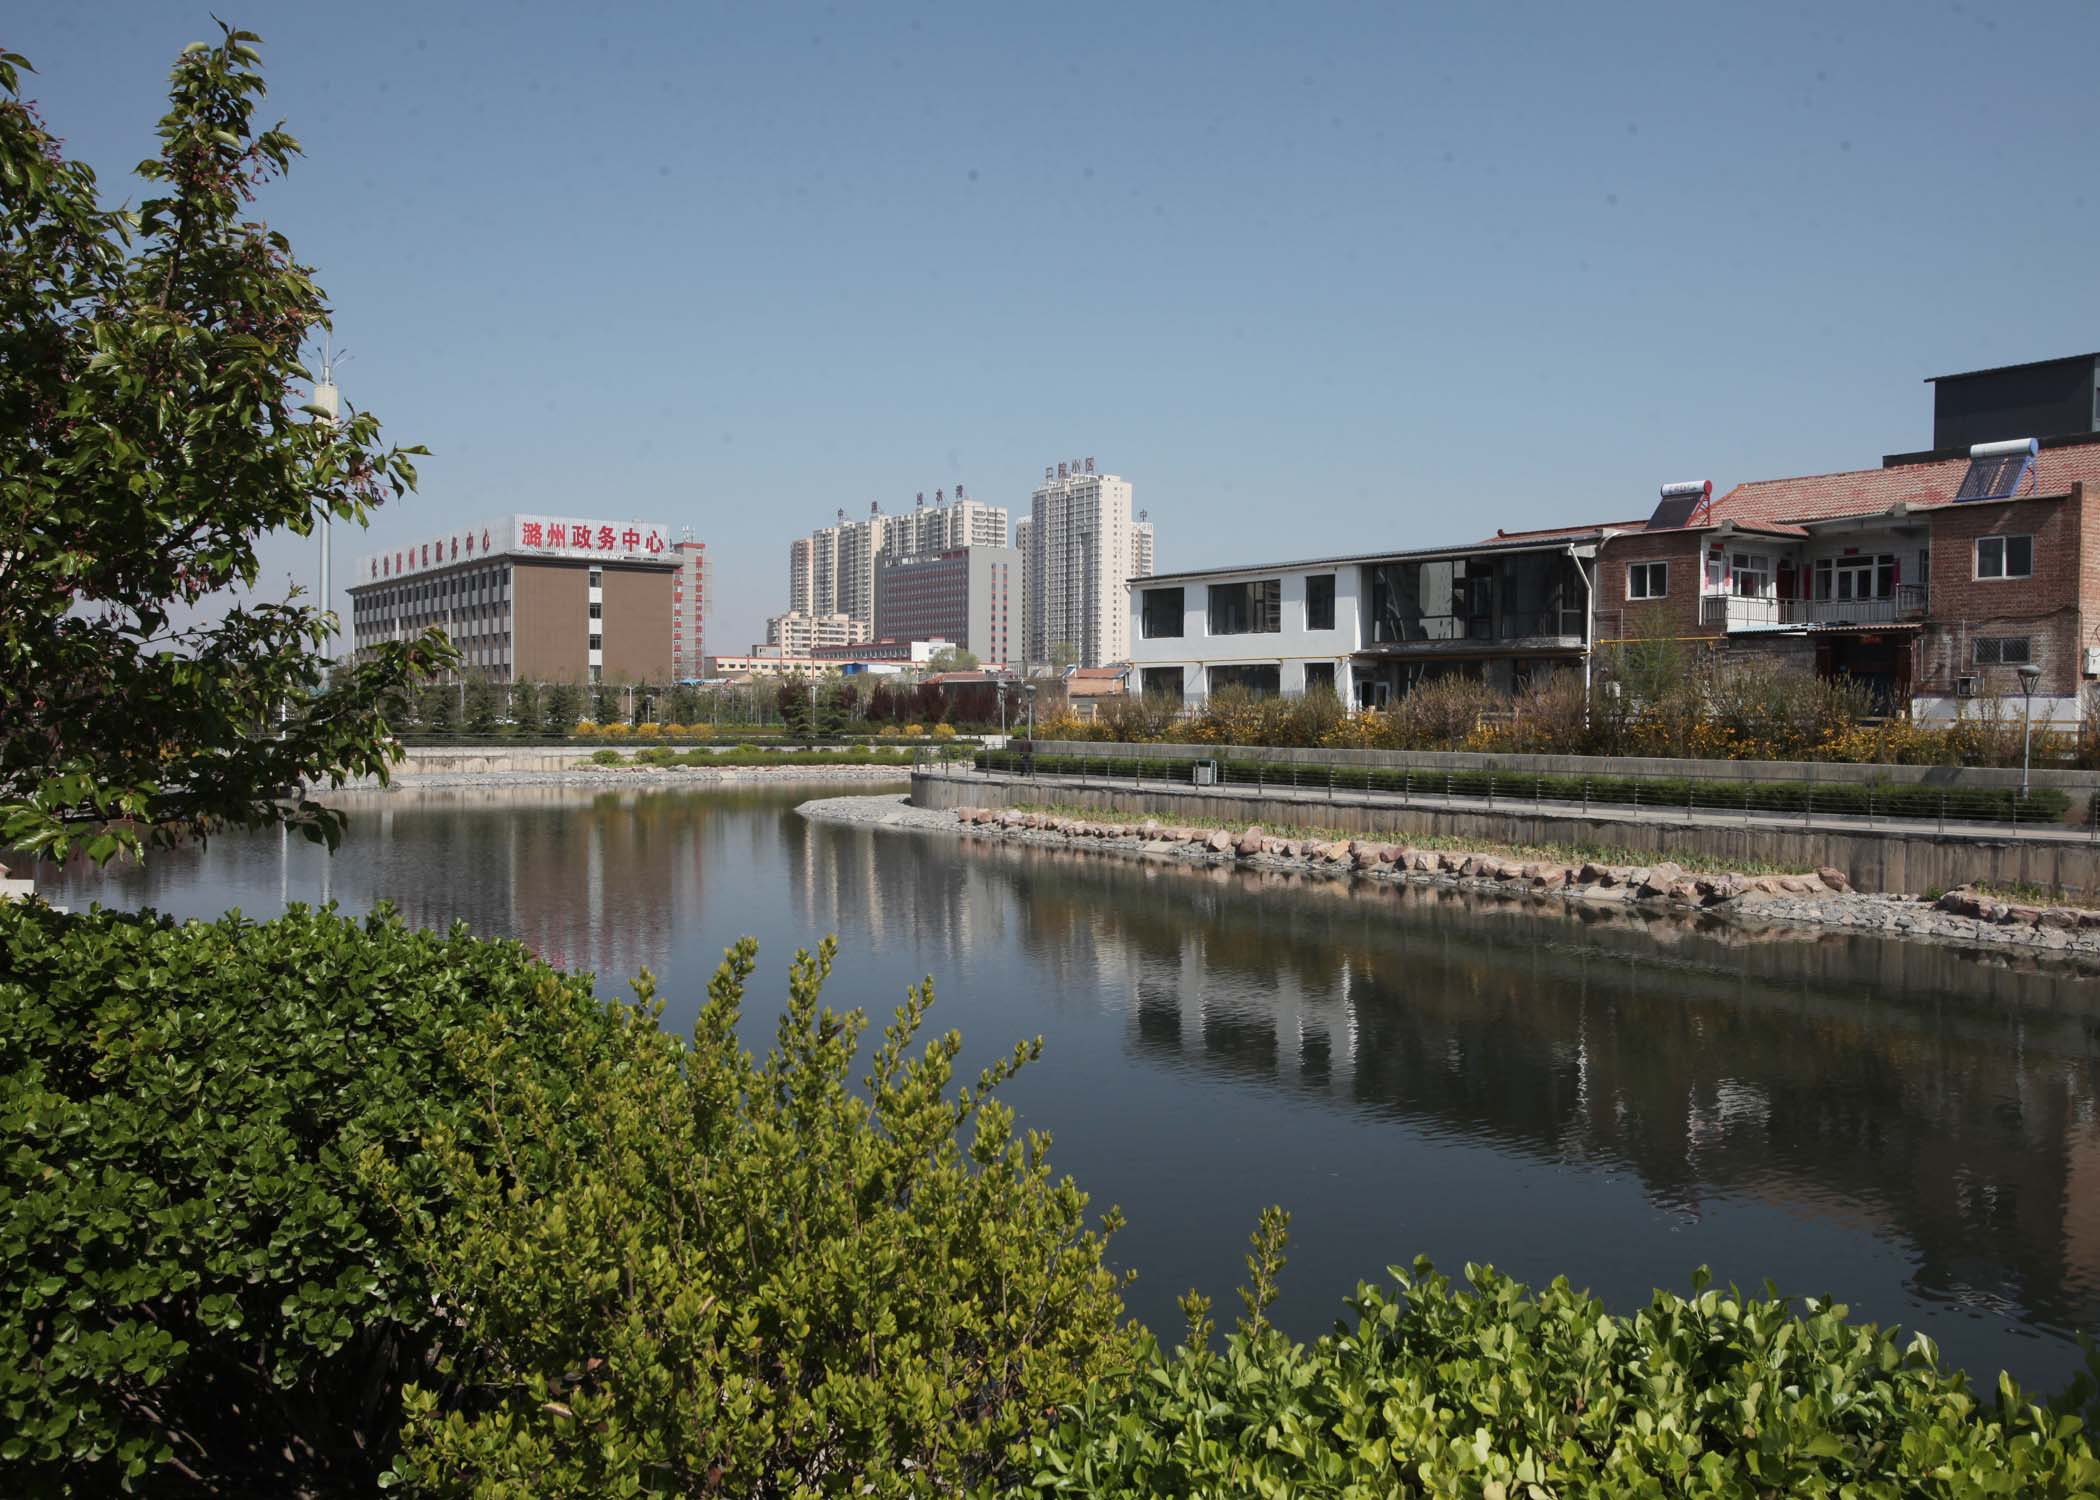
<point x="1313" y="798"/>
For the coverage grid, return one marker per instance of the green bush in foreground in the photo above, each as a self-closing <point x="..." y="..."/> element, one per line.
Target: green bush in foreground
<point x="749" y="1278"/>
<point x="1493" y="1390"/>
<point x="195" y="1287"/>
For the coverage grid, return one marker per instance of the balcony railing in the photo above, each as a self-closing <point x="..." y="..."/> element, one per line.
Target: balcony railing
<point x="1737" y="613"/>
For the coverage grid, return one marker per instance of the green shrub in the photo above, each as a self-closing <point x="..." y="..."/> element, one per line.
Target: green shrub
<point x="192" y="1279"/>
<point x="607" y="758"/>
<point x="1494" y="1390"/>
<point x="743" y="1278"/>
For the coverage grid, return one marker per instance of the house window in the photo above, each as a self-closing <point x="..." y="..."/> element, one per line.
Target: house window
<point x="1254" y="608"/>
<point x="1162" y="614"/>
<point x="2003" y="650"/>
<point x="2005" y="557"/>
<point x="1753" y="575"/>
<point x="1319" y="602"/>
<point x="1319" y="677"/>
<point x="1264" y="680"/>
<point x="1650" y="580"/>
<point x="1161" y="682"/>
<point x="1716" y="570"/>
<point x="1856" y="577"/>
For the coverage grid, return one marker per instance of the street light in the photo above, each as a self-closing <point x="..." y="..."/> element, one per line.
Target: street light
<point x="1029" y="689"/>
<point x="2030" y="674"/>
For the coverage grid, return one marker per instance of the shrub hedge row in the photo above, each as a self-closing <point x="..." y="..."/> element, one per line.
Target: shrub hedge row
<point x="1877" y="799"/>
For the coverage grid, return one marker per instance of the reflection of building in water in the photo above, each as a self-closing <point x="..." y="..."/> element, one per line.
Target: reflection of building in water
<point x="1963" y="1118"/>
<point x="904" y="891"/>
<point x="581" y="889"/>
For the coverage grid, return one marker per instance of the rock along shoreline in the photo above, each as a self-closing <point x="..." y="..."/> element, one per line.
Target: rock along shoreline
<point x="1823" y="899"/>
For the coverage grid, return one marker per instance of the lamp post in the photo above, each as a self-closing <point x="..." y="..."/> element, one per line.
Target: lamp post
<point x="2030" y="674"/>
<point x="1030" y="691"/>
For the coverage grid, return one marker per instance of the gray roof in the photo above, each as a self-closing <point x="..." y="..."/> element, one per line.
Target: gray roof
<point x="1557" y="543"/>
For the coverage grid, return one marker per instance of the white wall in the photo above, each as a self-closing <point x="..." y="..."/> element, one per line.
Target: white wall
<point x="1196" y="650"/>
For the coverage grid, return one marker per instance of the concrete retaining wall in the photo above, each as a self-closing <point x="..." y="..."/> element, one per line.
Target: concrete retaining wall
<point x="426" y="761"/>
<point x="1894" y="861"/>
<point x="2075" y="783"/>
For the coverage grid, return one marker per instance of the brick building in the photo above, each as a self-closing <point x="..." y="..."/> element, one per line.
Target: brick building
<point x="530" y="598"/>
<point x="1886" y="576"/>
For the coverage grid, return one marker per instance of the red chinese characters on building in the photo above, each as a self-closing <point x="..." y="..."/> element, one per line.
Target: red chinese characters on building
<point x="455" y="547"/>
<point x="470" y="544"/>
<point x="557" y="535"/>
<point x="579" y="536"/>
<point x="426" y="554"/>
<point x="397" y="562"/>
<point x="605" y="539"/>
<point x="654" y="542"/>
<point x="484" y="539"/>
<point x="530" y="534"/>
<point x="630" y="539"/>
<point x="375" y="567"/>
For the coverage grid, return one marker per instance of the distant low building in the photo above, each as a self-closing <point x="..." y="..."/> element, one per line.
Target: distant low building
<point x="531" y="598"/>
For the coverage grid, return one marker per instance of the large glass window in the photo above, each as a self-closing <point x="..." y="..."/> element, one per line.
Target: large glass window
<point x="1476" y="598"/>
<point x="1161" y="615"/>
<point x="1263" y="679"/>
<point x="2003" y="650"/>
<point x="1753" y="575"/>
<point x="1162" y="682"/>
<point x="1319" y="677"/>
<point x="1869" y="577"/>
<point x="2005" y="557"/>
<point x="1319" y="602"/>
<point x="1254" y="608"/>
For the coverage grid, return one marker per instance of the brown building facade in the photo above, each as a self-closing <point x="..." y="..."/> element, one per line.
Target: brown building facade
<point x="530" y="598"/>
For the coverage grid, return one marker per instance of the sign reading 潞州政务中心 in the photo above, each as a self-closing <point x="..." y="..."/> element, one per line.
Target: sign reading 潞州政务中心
<point x="566" y="537"/>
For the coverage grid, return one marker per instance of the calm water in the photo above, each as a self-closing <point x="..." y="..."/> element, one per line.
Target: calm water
<point x="1906" y="1127"/>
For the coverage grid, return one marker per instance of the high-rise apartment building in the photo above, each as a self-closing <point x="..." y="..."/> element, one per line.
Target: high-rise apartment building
<point x="832" y="571"/>
<point x="689" y="606"/>
<point x="1084" y="545"/>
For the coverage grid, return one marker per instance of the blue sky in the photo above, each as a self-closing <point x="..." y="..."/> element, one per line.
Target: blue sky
<point x="1312" y="277"/>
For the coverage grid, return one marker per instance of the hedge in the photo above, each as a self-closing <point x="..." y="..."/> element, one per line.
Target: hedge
<point x="192" y="1277"/>
<point x="1493" y="1390"/>
<point x="1877" y="799"/>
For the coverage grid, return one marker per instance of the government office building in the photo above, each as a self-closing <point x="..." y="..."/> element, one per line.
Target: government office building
<point x="532" y="598"/>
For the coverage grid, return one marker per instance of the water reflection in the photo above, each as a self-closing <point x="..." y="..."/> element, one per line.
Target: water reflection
<point x="1409" y="1070"/>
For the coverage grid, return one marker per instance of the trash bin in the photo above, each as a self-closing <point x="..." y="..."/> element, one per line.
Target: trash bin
<point x="1206" y="773"/>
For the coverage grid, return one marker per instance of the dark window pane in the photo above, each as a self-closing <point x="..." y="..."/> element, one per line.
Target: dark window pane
<point x="1319" y="602"/>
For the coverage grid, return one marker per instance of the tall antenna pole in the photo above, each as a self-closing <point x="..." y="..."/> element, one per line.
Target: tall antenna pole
<point x="329" y="401"/>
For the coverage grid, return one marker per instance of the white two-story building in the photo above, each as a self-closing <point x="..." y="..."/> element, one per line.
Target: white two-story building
<point x="1369" y="627"/>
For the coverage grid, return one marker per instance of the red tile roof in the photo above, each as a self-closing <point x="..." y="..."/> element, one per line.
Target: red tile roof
<point x="1867" y="492"/>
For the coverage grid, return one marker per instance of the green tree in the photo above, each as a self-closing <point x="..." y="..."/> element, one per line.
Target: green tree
<point x="952" y="659"/>
<point x="605" y="705"/>
<point x="560" y="711"/>
<point x="682" y="705"/>
<point x="151" y="430"/>
<point x="434" y="708"/>
<point x="484" y="705"/>
<point x="734" y="1277"/>
<point x="525" y="712"/>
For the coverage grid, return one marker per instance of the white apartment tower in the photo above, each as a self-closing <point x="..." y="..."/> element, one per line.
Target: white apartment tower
<point x="832" y="570"/>
<point x="1083" y="545"/>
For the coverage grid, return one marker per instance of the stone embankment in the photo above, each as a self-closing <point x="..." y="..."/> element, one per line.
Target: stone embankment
<point x="1825" y="898"/>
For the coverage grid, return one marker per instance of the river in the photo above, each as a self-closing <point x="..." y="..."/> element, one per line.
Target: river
<point x="1906" y="1127"/>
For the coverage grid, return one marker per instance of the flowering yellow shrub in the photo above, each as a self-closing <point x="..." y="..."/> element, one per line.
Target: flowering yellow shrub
<point x="586" y="726"/>
<point x="648" y="728"/>
<point x="944" y="731"/>
<point x="1059" y="727"/>
<point x="614" y="731"/>
<point x="914" y="731"/>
